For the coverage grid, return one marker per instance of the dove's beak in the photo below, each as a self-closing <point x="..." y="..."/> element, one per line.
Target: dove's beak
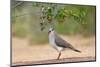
<point x="49" y="32"/>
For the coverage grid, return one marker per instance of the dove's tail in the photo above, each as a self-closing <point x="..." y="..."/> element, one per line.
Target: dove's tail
<point x="75" y="49"/>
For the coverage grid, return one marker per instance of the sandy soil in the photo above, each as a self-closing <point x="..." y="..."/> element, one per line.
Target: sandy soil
<point x="22" y="51"/>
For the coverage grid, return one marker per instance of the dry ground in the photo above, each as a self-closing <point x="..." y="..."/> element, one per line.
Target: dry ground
<point x="22" y="51"/>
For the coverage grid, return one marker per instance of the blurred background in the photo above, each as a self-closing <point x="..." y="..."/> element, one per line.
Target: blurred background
<point x="31" y="20"/>
<point x="26" y="20"/>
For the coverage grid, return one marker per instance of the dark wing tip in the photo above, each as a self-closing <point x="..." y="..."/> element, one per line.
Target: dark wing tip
<point x="77" y="50"/>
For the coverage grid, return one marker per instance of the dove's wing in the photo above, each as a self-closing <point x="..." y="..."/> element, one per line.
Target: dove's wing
<point x="62" y="43"/>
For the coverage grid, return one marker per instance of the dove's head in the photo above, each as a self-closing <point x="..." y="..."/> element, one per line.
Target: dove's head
<point x="51" y="30"/>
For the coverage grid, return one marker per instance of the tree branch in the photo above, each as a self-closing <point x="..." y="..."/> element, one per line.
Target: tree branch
<point x="54" y="61"/>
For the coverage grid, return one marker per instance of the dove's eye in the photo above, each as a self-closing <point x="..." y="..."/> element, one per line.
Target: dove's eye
<point x="49" y="31"/>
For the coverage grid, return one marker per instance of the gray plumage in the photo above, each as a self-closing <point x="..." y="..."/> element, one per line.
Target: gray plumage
<point x="62" y="43"/>
<point x="58" y="43"/>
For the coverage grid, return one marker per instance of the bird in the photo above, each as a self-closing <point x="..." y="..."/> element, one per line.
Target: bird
<point x="58" y="43"/>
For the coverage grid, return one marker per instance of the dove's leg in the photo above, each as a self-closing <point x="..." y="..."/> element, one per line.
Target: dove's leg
<point x="59" y="55"/>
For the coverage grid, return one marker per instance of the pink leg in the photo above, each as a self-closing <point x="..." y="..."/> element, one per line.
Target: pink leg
<point x="59" y="56"/>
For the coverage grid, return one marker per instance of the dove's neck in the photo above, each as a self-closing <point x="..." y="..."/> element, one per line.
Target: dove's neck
<point x="52" y="37"/>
